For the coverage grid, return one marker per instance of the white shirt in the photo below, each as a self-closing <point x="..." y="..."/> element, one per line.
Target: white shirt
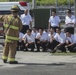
<point x="30" y="38"/>
<point x="46" y="33"/>
<point x="54" y="21"/>
<point x="20" y="36"/>
<point x="50" y="36"/>
<point x="70" y="20"/>
<point x="60" y="37"/>
<point x="34" y="33"/>
<point x="72" y="39"/>
<point x="26" y="19"/>
<point x="42" y="37"/>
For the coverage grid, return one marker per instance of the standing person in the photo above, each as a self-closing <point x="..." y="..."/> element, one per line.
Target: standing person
<point x="26" y="21"/>
<point x="54" y="20"/>
<point x="11" y="35"/>
<point x="69" y="22"/>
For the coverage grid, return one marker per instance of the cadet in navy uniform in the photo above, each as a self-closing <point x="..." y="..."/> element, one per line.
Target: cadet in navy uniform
<point x="41" y="40"/>
<point x="58" y="41"/>
<point x="20" y="41"/>
<point x="50" y="37"/>
<point x="26" y="21"/>
<point x="34" y="31"/>
<point x="70" y="22"/>
<point x="54" y="20"/>
<point x="70" y="42"/>
<point x="29" y="41"/>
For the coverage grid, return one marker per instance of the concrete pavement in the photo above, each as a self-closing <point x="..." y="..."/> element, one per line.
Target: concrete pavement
<point x="44" y="57"/>
<point x="40" y="63"/>
<point x="39" y="58"/>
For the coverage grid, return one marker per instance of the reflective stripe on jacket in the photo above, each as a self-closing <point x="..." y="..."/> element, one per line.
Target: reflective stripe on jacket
<point x="12" y="38"/>
<point x="11" y="26"/>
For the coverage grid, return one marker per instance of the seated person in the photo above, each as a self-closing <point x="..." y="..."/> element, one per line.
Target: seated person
<point x="41" y="40"/>
<point x="58" y="42"/>
<point x="50" y="36"/>
<point x="34" y="31"/>
<point x="20" y="42"/>
<point x="29" y="41"/>
<point x="70" y="42"/>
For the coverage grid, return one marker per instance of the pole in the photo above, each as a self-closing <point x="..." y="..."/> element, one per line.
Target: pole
<point x="33" y="7"/>
<point x="75" y="12"/>
<point x="75" y="7"/>
<point x="56" y="2"/>
<point x="33" y="4"/>
<point x="69" y="3"/>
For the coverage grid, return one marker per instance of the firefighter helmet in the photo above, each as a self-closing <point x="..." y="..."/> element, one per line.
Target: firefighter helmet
<point x="15" y="8"/>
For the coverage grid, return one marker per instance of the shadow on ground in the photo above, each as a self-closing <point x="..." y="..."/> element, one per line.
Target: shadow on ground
<point x="52" y="64"/>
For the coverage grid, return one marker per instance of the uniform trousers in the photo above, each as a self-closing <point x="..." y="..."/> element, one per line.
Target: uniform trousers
<point x="54" y="28"/>
<point x="69" y="29"/>
<point x="54" y="43"/>
<point x="19" y="45"/>
<point x="24" y="28"/>
<point x="72" y="48"/>
<point x="30" y="45"/>
<point x="9" y="51"/>
<point x="41" y="43"/>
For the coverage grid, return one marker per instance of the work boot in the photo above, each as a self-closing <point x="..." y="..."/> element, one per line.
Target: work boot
<point x="13" y="62"/>
<point x="4" y="60"/>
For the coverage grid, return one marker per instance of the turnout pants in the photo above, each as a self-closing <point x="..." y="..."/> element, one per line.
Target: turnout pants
<point x="9" y="51"/>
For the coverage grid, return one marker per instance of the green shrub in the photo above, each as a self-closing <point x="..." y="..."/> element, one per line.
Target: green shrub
<point x="52" y="2"/>
<point x="46" y="2"/>
<point x="62" y="2"/>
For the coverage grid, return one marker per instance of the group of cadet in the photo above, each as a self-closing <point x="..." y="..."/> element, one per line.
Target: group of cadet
<point x="51" y="38"/>
<point x="47" y="39"/>
<point x="19" y="34"/>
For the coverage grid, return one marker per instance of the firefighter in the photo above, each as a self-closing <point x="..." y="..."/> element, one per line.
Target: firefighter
<point x="12" y="27"/>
